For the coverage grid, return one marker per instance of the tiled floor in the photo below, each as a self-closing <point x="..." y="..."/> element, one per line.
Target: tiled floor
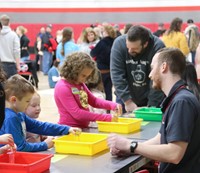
<point x="49" y="111"/>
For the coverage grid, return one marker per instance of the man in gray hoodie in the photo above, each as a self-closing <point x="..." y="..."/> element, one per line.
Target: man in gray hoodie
<point x="9" y="47"/>
<point x="131" y="56"/>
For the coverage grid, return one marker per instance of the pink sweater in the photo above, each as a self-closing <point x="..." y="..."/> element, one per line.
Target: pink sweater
<point x="72" y="113"/>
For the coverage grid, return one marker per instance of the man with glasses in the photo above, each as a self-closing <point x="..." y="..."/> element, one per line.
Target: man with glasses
<point x="131" y="56"/>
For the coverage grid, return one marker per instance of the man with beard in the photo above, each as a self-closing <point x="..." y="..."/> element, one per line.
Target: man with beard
<point x="176" y="146"/>
<point x="131" y="56"/>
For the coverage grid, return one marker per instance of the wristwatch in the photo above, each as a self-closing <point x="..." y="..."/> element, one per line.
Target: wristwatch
<point x="133" y="146"/>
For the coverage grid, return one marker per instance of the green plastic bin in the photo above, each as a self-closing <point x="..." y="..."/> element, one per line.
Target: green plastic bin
<point x="149" y="114"/>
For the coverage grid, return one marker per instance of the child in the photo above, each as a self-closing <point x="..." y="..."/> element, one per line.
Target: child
<point x="73" y="97"/>
<point x="97" y="89"/>
<point x="33" y="110"/>
<point x="19" y="92"/>
<point x="53" y="75"/>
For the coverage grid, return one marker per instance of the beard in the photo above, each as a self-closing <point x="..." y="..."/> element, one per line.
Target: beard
<point x="156" y="82"/>
<point x="135" y="54"/>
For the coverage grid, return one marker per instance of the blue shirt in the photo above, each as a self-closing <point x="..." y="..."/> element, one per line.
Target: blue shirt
<point x="69" y="47"/>
<point x="18" y="124"/>
<point x="52" y="72"/>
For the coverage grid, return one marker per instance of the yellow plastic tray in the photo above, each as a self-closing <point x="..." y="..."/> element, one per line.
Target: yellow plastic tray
<point x="124" y="125"/>
<point x="84" y="144"/>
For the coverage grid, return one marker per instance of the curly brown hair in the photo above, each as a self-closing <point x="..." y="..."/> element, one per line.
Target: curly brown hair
<point x="74" y="64"/>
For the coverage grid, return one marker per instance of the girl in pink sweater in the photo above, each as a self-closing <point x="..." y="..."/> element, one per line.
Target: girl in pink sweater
<point x="72" y="96"/>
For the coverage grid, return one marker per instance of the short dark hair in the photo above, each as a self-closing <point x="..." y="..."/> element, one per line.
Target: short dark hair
<point x="138" y="32"/>
<point x="174" y="58"/>
<point x="190" y="21"/>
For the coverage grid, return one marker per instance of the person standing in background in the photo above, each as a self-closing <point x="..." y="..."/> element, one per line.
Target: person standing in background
<point x="160" y="31"/>
<point x="173" y="37"/>
<point x="47" y="58"/>
<point x="102" y="53"/>
<point x="66" y="45"/>
<point x="10" y="48"/>
<point x="24" y="43"/>
<point x="193" y="37"/>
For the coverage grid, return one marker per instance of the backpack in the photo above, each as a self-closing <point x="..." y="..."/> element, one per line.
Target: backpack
<point x="194" y="39"/>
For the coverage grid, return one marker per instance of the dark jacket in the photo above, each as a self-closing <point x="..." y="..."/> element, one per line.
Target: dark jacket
<point x="130" y="75"/>
<point x="102" y="53"/>
<point x="24" y="42"/>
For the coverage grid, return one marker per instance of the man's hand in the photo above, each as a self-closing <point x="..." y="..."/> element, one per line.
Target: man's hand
<point x="130" y="105"/>
<point x="118" y="145"/>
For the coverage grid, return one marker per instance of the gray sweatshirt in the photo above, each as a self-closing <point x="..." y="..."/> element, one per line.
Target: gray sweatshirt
<point x="9" y="45"/>
<point x="130" y="74"/>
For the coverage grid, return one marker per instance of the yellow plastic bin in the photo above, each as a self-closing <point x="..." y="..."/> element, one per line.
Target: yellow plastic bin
<point x="124" y="125"/>
<point x="84" y="144"/>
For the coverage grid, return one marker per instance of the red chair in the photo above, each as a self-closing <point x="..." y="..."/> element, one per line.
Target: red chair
<point x="28" y="75"/>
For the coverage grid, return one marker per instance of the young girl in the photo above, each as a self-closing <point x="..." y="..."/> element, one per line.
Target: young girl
<point x="73" y="97"/>
<point x="97" y="89"/>
<point x="33" y="110"/>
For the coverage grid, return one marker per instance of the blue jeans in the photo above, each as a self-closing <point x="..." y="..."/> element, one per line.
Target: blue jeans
<point x="9" y="68"/>
<point x="46" y="61"/>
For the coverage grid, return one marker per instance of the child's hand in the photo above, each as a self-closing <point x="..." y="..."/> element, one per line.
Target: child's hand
<point x="7" y="148"/>
<point x="7" y="139"/>
<point x="114" y="117"/>
<point x="75" y="130"/>
<point x="118" y="110"/>
<point x="49" y="142"/>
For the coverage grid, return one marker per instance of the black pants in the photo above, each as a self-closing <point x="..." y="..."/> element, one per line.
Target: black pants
<point x="107" y="83"/>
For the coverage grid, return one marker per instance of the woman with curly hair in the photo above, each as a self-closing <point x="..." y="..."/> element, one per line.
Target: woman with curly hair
<point x="89" y="41"/>
<point x="72" y="96"/>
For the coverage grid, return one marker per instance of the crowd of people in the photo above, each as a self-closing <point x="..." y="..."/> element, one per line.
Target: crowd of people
<point x="145" y="68"/>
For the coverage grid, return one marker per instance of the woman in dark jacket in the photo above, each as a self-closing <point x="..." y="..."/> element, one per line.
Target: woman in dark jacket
<point x="102" y="53"/>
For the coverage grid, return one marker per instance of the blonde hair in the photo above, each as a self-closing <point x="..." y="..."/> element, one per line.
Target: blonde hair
<point x="18" y="86"/>
<point x="110" y="31"/>
<point x="22" y="29"/>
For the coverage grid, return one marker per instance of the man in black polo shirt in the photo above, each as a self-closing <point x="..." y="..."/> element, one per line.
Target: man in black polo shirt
<point x="176" y="146"/>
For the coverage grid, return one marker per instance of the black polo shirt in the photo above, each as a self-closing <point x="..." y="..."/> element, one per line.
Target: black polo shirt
<point x="181" y="122"/>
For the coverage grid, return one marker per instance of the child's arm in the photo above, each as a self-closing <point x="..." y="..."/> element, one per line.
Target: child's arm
<point x="17" y="128"/>
<point x="45" y="128"/>
<point x="71" y="104"/>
